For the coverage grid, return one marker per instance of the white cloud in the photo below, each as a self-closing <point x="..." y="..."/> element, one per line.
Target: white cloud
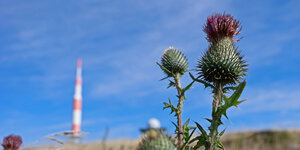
<point x="269" y="99"/>
<point x="131" y="66"/>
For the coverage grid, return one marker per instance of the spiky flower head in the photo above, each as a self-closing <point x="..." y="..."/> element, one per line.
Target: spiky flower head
<point x="153" y="134"/>
<point x="219" y="26"/>
<point x="157" y="142"/>
<point x="12" y="142"/>
<point x="174" y="61"/>
<point x="222" y="62"/>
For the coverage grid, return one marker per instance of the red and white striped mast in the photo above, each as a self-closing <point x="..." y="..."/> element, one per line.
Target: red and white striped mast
<point x="77" y="102"/>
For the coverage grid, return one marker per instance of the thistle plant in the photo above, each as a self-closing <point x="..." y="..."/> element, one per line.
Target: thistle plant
<point x="175" y="64"/>
<point x="12" y="142"/>
<point x="221" y="68"/>
<point x="156" y="140"/>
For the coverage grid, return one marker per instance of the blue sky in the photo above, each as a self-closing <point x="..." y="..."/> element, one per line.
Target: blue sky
<point x="119" y="42"/>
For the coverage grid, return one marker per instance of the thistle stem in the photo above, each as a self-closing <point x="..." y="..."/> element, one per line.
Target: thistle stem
<point x="179" y="112"/>
<point x="215" y="118"/>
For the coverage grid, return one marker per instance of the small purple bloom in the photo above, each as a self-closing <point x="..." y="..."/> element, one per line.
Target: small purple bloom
<point x="12" y="142"/>
<point x="219" y="26"/>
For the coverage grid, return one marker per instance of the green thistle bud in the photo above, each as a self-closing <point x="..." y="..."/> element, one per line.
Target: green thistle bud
<point x="222" y="63"/>
<point x="159" y="142"/>
<point x="174" y="61"/>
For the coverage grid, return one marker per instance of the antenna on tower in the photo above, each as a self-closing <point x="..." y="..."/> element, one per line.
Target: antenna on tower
<point x="77" y="102"/>
<point x="75" y="134"/>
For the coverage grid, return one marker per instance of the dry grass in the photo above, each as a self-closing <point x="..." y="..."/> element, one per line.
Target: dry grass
<point x="263" y="140"/>
<point x="109" y="145"/>
<point x="259" y="140"/>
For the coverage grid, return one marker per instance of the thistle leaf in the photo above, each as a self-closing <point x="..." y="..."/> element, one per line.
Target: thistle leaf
<point x="170" y="74"/>
<point x="164" y="78"/>
<point x="187" y="140"/>
<point x="206" y="84"/>
<point x="228" y="88"/>
<point x="187" y="87"/>
<point x="239" y="102"/>
<point x="209" y="120"/>
<point x="220" y="145"/>
<point x="222" y="132"/>
<point x="236" y="95"/>
<point x="201" y="141"/>
<point x="203" y="132"/>
<point x="192" y="76"/>
<point x="186" y="123"/>
<point x="175" y="125"/>
<point x="171" y="84"/>
<point x="225" y="114"/>
<point x="171" y="106"/>
<point x="186" y="130"/>
<point x="232" y="100"/>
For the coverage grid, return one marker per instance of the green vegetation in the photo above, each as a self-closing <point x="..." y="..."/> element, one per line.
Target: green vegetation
<point x="221" y="68"/>
<point x="155" y="140"/>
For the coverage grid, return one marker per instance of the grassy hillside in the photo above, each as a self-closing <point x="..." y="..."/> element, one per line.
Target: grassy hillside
<point x="258" y="140"/>
<point x="263" y="140"/>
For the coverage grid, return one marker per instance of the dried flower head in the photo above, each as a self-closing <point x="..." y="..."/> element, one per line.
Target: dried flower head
<point x="12" y="142"/>
<point x="219" y="26"/>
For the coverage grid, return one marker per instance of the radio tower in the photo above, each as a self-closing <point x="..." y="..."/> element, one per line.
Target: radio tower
<point x="77" y="102"/>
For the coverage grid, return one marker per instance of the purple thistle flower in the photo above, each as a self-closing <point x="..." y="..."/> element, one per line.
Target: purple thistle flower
<point x="12" y="142"/>
<point x="219" y="26"/>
